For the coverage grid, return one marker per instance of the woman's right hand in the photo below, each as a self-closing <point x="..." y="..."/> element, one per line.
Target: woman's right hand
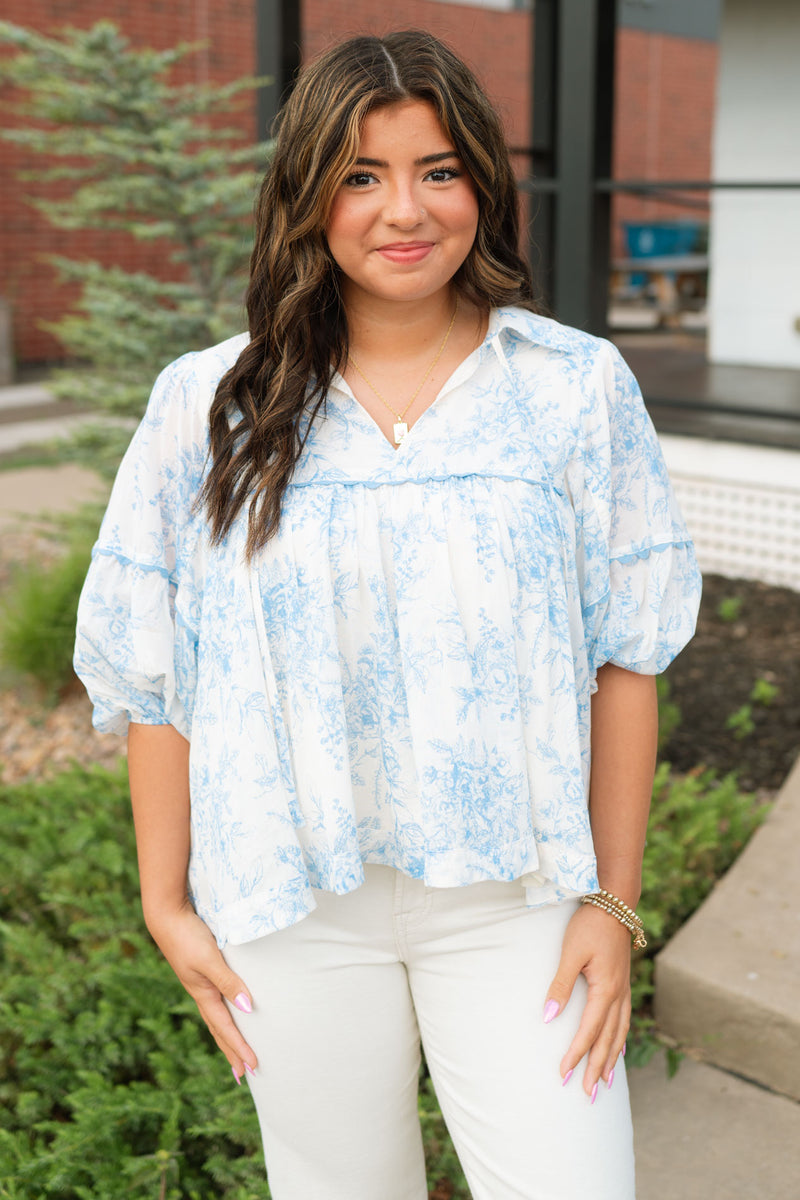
<point x="191" y="950"/>
<point x="158" y="767"/>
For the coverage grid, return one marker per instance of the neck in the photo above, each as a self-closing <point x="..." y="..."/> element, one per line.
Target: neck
<point x="397" y="329"/>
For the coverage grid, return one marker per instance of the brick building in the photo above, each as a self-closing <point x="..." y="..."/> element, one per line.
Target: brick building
<point x="664" y="107"/>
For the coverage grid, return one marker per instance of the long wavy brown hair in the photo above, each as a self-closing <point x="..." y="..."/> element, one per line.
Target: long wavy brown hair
<point x="298" y="324"/>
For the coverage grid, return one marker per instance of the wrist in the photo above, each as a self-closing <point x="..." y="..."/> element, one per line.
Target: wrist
<point x="627" y="891"/>
<point x="623" y="878"/>
<point x="624" y="914"/>
<point x="160" y="908"/>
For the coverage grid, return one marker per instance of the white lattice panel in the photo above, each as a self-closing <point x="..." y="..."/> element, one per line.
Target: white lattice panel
<point x="742" y="506"/>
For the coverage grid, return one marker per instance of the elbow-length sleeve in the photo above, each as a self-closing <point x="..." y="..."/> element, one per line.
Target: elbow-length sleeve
<point x="135" y="640"/>
<point x="639" y="579"/>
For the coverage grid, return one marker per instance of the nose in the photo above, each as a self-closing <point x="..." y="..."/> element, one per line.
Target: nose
<point x="403" y="207"/>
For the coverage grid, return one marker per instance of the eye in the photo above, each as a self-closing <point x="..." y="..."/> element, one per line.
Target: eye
<point x="443" y="174"/>
<point x="359" y="179"/>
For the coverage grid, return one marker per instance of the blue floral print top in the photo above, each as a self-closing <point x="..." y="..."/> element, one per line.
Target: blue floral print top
<point x="403" y="674"/>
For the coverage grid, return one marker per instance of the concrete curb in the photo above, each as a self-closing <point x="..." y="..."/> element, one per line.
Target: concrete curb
<point x="705" y="1135"/>
<point x="728" y="984"/>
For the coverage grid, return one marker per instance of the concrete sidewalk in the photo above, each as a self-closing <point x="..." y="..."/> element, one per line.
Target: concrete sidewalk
<point x="30" y="491"/>
<point x="707" y="1135"/>
<point x="31" y="415"/>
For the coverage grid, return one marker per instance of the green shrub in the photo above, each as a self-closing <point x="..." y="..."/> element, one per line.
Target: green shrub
<point x="37" y="620"/>
<point x="698" y="825"/>
<point x="39" y="608"/>
<point x="109" y="1085"/>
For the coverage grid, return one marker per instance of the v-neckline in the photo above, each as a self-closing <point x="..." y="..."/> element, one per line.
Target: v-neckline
<point x="453" y="381"/>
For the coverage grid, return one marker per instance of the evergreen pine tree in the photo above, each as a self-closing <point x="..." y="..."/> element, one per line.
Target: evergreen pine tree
<point x="131" y="150"/>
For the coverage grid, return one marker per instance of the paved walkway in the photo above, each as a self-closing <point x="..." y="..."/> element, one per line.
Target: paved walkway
<point x="30" y="415"/>
<point x="57" y="489"/>
<point x="706" y="1134"/>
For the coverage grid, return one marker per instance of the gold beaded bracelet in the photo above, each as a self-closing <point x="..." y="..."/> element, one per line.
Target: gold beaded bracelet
<point x="619" y="909"/>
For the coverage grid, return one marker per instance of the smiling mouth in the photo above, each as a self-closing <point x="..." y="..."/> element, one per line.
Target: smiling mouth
<point x="406" y="251"/>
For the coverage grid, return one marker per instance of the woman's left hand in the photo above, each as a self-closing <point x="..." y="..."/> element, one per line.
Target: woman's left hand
<point x="599" y="947"/>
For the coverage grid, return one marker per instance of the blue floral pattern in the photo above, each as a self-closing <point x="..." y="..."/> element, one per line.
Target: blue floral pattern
<point x="403" y="674"/>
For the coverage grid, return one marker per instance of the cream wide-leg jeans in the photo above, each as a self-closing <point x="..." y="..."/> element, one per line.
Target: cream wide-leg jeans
<point x="341" y="1001"/>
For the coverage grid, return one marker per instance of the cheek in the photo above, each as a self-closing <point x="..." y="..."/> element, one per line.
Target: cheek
<point x="466" y="213"/>
<point x="344" y="226"/>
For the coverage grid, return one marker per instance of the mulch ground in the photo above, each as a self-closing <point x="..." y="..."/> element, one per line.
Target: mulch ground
<point x="737" y="684"/>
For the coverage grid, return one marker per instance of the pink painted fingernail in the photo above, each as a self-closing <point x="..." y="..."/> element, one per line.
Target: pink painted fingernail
<point x="624" y="1049"/>
<point x="610" y="1078"/>
<point x="236" y="1077"/>
<point x="242" y="1002"/>
<point x="568" y="1076"/>
<point x="551" y="1009"/>
<point x="249" y="1069"/>
<point x="594" y="1093"/>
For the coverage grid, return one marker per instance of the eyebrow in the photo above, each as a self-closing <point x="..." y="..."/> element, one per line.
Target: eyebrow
<point x="418" y="162"/>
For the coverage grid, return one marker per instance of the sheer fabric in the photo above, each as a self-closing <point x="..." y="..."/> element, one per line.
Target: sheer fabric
<point x="403" y="675"/>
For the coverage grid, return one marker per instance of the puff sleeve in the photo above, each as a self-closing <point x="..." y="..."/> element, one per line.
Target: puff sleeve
<point x="640" y="586"/>
<point x="137" y="618"/>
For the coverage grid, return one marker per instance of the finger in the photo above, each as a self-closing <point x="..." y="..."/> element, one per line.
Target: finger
<point x="226" y="1032"/>
<point x="235" y="991"/>
<point x="239" y="1066"/>
<point x="598" y="1056"/>
<point x="561" y="986"/>
<point x="209" y="965"/>
<point x="217" y="1015"/>
<point x="617" y="1044"/>
<point x="236" y="1065"/>
<point x="231" y="986"/>
<point x="215" y="983"/>
<point x="593" y="1038"/>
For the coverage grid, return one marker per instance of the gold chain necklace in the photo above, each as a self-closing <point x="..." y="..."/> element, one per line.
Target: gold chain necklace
<point x="400" y="428"/>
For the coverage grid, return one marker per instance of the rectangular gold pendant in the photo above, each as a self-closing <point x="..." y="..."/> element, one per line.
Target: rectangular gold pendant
<point x="400" y="431"/>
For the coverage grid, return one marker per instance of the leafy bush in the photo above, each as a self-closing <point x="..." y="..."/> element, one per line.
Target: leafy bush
<point x="698" y="826"/>
<point x="109" y="1085"/>
<point x="39" y="610"/>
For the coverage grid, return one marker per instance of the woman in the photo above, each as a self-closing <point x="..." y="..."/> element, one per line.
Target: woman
<point x="379" y="563"/>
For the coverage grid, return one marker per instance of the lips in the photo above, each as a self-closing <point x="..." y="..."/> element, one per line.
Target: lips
<point x="406" y="252"/>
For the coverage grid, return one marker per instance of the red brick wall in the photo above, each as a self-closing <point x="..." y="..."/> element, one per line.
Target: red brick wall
<point x="665" y="89"/>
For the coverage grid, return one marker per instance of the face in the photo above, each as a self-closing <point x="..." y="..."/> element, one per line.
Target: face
<point x="405" y="218"/>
